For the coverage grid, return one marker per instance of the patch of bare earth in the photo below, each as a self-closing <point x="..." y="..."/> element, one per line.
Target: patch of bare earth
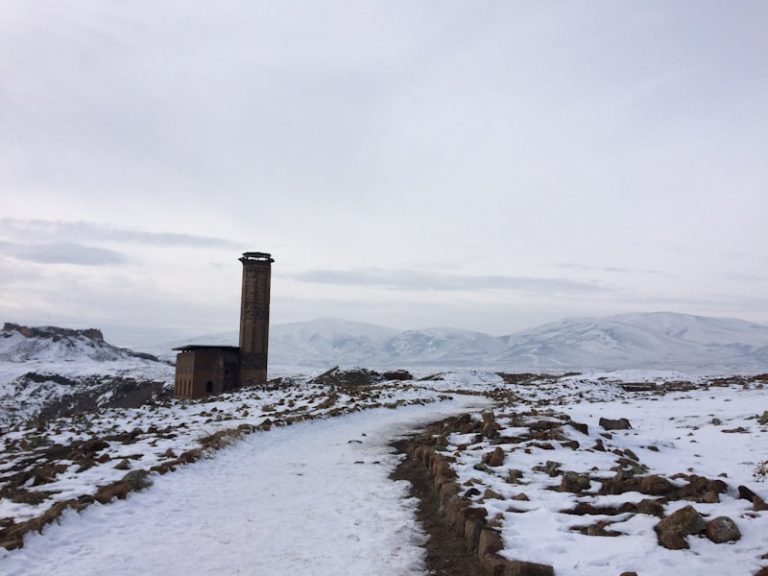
<point x="446" y="554"/>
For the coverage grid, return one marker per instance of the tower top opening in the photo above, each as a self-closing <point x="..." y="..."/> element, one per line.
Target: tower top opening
<point x="256" y="257"/>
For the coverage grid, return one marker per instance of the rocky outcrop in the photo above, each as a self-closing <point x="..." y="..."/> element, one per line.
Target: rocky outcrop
<point x="53" y="332"/>
<point x="358" y="377"/>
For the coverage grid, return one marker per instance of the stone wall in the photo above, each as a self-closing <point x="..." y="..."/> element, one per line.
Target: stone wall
<point x="480" y="536"/>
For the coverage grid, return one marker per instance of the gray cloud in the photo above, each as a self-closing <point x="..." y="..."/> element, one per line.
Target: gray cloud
<point x="609" y="269"/>
<point x="81" y="231"/>
<point x="62" y="253"/>
<point x="416" y="280"/>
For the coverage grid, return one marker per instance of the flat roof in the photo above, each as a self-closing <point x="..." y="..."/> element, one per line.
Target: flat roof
<point x="264" y="257"/>
<point x="189" y="347"/>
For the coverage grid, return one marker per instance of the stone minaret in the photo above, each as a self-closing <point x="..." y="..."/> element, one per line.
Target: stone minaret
<point x="254" y="317"/>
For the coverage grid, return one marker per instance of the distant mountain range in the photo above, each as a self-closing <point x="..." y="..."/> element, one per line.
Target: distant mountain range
<point x="660" y="340"/>
<point x="49" y="371"/>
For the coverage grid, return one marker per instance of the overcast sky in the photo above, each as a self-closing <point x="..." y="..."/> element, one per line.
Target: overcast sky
<point x="490" y="165"/>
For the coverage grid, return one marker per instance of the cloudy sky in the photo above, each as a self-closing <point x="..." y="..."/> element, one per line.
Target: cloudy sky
<point x="489" y="165"/>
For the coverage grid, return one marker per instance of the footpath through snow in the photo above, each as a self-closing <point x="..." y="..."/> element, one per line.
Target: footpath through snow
<point x="309" y="499"/>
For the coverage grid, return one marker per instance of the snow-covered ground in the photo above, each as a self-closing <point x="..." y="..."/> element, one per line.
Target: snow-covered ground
<point x="712" y="431"/>
<point x="307" y="492"/>
<point x="95" y="449"/>
<point x="313" y="498"/>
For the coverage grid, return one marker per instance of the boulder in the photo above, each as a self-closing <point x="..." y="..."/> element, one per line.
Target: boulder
<point x="656" y="485"/>
<point x="583" y="428"/>
<point x="673" y="529"/>
<point x="617" y="424"/>
<point x="490" y="429"/>
<point x="513" y="476"/>
<point x="495" y="458"/>
<point x="574" y="482"/>
<point x="722" y="529"/>
<point x="650" y="507"/>
<point x="491" y="494"/>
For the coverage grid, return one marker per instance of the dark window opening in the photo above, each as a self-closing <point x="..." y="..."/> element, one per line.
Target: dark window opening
<point x="209" y="387"/>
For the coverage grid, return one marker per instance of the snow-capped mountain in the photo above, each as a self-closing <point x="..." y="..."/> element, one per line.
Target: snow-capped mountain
<point x="316" y="343"/>
<point x="47" y="371"/>
<point x="661" y="340"/>
<point x="52" y="344"/>
<point x="442" y="347"/>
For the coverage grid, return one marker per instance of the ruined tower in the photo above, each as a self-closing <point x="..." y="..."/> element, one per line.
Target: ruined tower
<point x="254" y="317"/>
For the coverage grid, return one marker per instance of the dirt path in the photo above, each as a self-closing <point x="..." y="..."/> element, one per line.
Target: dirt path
<point x="446" y="551"/>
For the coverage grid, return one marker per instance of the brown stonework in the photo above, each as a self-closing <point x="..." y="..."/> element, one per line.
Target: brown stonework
<point x="205" y="370"/>
<point x="447" y="515"/>
<point x="254" y="317"/>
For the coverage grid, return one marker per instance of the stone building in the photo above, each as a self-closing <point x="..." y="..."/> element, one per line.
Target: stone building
<point x="203" y="370"/>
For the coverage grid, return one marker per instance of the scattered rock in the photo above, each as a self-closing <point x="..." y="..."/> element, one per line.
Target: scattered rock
<point x="583" y="428"/>
<point x="599" y="445"/>
<point x="495" y="458"/>
<point x="737" y="430"/>
<point x="745" y="493"/>
<point x="574" y="482"/>
<point x="631" y="455"/>
<point x="491" y="494"/>
<point x="656" y="485"/>
<point x="763" y="420"/>
<point x="722" y="529"/>
<point x="617" y="424"/>
<point x="513" y="476"/>
<point x="650" y="507"/>
<point x="490" y="428"/>
<point x="550" y="468"/>
<point x="597" y="529"/>
<point x="673" y="529"/>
